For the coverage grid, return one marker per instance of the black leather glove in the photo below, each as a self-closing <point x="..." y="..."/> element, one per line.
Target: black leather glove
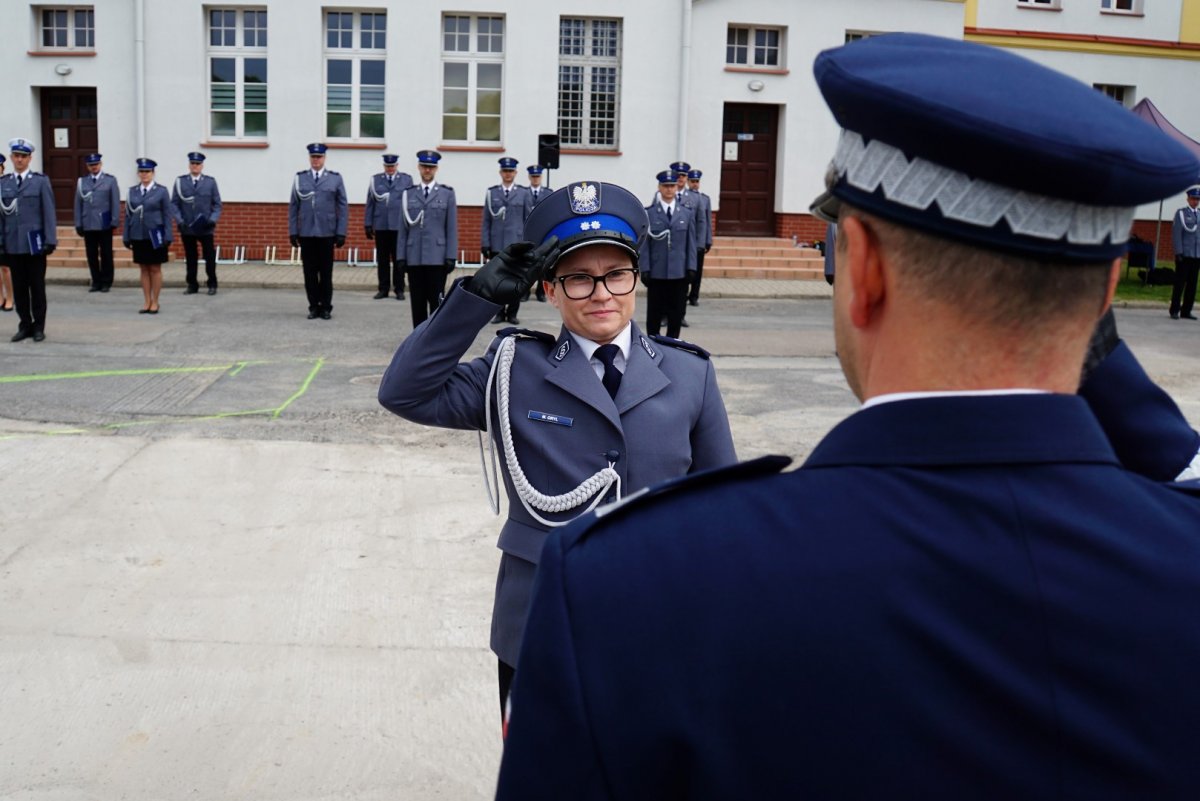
<point x="338" y="241"/>
<point x="370" y="232"/>
<point x="401" y="264"/>
<point x="691" y="275"/>
<point x="509" y="274"/>
<point x="1104" y="341"/>
<point x="487" y="253"/>
<point x="78" y="230"/>
<point x="128" y="245"/>
<point x="707" y="248"/>
<point x="295" y="240"/>
<point x="48" y="249"/>
<point x="449" y="265"/>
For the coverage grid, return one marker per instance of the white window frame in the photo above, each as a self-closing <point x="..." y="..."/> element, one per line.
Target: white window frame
<point x="753" y="50"/>
<point x="854" y="35"/>
<point x="239" y="52"/>
<point x="597" y="55"/>
<point x="1121" y="93"/>
<point x="367" y="100"/>
<point x="71" y="29"/>
<point x="1132" y="8"/>
<point x="474" y="58"/>
<point x="1045" y="5"/>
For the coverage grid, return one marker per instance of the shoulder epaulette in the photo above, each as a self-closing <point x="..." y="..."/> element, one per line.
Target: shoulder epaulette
<point x="332" y="172"/>
<point x="301" y="172"/>
<point x="680" y="345"/>
<point x="762" y="466"/>
<point x="493" y="186"/>
<point x="527" y="333"/>
<point x="447" y="188"/>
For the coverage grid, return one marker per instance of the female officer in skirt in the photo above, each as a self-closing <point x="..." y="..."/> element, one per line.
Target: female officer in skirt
<point x="148" y="231"/>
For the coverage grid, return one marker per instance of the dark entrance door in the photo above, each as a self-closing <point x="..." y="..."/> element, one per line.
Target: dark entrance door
<point x="68" y="134"/>
<point x="748" y="170"/>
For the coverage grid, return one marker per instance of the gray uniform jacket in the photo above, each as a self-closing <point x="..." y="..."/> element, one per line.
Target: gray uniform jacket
<point x="1186" y="242"/>
<point x="431" y="225"/>
<point x="504" y="218"/>
<point x="196" y="206"/>
<point x="667" y="420"/>
<point x="542" y="194"/>
<point x="702" y="203"/>
<point x="384" y="210"/>
<point x="669" y="250"/>
<point x="144" y="214"/>
<point x="97" y="203"/>
<point x="318" y="208"/>
<point x="25" y="210"/>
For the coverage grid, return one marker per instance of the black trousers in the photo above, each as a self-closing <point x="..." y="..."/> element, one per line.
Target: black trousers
<point x="99" y="249"/>
<point x="694" y="289"/>
<point x="665" y="297"/>
<point x="29" y="290"/>
<point x="426" y="283"/>
<point x="1183" y="294"/>
<point x="316" y="255"/>
<point x="205" y="241"/>
<point x="390" y="273"/>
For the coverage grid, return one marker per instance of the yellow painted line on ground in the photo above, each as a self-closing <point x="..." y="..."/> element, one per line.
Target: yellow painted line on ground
<point x="21" y="379"/>
<point x="303" y="388"/>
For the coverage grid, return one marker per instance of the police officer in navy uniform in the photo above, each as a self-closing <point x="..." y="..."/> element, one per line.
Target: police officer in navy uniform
<point x="600" y="411"/>
<point x="506" y="206"/>
<point x="384" y="218"/>
<point x="703" y="204"/>
<point x="430" y="213"/>
<point x="148" y="215"/>
<point x="28" y="219"/>
<point x="537" y="193"/>
<point x="6" y="290"/>
<point x="668" y="257"/>
<point x="963" y="592"/>
<point x="1185" y="237"/>
<point x="317" y="219"/>
<point x="97" y="215"/>
<point x="196" y="207"/>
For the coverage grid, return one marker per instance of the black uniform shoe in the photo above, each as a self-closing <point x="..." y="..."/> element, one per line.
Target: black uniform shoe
<point x="499" y="318"/>
<point x="38" y="336"/>
<point x="191" y="290"/>
<point x="684" y="323"/>
<point x="512" y="318"/>
<point x="212" y="290"/>
<point x="1188" y="316"/>
<point x="312" y="315"/>
<point x="380" y="295"/>
<point x="105" y="288"/>
<point x="21" y="334"/>
<point x="93" y="289"/>
<point x="1174" y="315"/>
<point x="399" y="296"/>
<point x="692" y="302"/>
<point x="325" y="315"/>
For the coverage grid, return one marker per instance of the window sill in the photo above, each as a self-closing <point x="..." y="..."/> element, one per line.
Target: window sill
<point x="1114" y="13"/>
<point x="61" y="53"/>
<point x="1038" y="8"/>
<point x="582" y="152"/>
<point x="248" y="145"/>
<point x="472" y="148"/>
<point x="356" y="145"/>
<point x="757" y="70"/>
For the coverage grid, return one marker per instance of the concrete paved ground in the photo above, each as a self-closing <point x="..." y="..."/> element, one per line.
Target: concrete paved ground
<point x="226" y="573"/>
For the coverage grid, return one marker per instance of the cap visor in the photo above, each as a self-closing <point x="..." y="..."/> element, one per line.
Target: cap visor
<point x="826" y="207"/>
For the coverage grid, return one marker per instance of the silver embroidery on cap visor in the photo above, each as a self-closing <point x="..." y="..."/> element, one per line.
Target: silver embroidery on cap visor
<point x="917" y="184"/>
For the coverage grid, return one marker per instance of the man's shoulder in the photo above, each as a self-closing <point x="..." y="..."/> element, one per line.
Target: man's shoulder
<point x="672" y="345"/>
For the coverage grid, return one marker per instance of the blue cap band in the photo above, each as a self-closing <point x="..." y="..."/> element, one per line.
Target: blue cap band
<point x="585" y="225"/>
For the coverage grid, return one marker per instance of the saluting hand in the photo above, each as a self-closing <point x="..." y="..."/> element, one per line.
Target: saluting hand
<point x="508" y="275"/>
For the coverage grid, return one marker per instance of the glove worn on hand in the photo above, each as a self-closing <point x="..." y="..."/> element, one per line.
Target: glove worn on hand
<point x="370" y="232"/>
<point x="338" y="241"/>
<point x="49" y="249"/>
<point x="295" y="240"/>
<point x="508" y="275"/>
<point x="79" y="230"/>
<point x="450" y="264"/>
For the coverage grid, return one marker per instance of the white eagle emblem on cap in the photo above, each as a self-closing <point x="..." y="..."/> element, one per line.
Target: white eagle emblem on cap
<point x="585" y="198"/>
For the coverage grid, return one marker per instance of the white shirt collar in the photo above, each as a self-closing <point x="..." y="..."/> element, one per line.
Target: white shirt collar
<point x="148" y="186"/>
<point x="622" y="341"/>
<point x="667" y="208"/>
<point x="892" y="397"/>
<point x="22" y="175"/>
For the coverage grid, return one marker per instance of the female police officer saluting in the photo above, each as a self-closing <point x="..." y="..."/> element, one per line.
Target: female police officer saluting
<point x="600" y="411"/>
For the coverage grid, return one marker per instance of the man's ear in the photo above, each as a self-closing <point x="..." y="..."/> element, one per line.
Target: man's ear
<point x="863" y="271"/>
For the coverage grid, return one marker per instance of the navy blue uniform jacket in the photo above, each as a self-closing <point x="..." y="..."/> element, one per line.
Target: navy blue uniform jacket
<point x="667" y="419"/>
<point x="953" y="598"/>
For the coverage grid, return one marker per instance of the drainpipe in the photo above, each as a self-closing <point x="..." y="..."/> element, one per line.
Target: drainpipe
<point x="139" y="74"/>
<point x="685" y="60"/>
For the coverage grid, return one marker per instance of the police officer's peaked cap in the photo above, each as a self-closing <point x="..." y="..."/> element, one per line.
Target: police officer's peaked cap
<point x="534" y="169"/>
<point x="196" y="157"/>
<point x="93" y="158"/>
<point x="428" y="157"/>
<point x="507" y="163"/>
<point x="390" y="158"/>
<point x="980" y="145"/>
<point x="317" y="148"/>
<point x="146" y="164"/>
<point x="667" y="177"/>
<point x="589" y="213"/>
<point x="680" y="166"/>
<point x="695" y="175"/>
<point x="19" y="145"/>
<point x="2" y="158"/>
<point x="1194" y="191"/>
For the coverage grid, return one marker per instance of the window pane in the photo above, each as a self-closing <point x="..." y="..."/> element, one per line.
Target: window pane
<point x="372" y="126"/>
<point x="487" y="102"/>
<point x="337" y="125"/>
<point x="487" y="129"/>
<point x="338" y="98"/>
<point x="371" y="98"/>
<point x="224" y="96"/>
<point x="570" y="36"/>
<point x="371" y="72"/>
<point x="256" y="123"/>
<point x="456" y="34"/>
<point x="224" y="70"/>
<point x="224" y="123"/>
<point x="454" y="128"/>
<point x="454" y="101"/>
<point x="454" y="75"/>
<point x="488" y="76"/>
<point x="255" y="70"/>
<point x="256" y="96"/>
<point x="338" y="71"/>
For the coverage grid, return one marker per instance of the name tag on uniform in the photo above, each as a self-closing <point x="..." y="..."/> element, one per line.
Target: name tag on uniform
<point x="558" y="420"/>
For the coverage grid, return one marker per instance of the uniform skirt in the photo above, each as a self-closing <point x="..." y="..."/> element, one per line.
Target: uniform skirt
<point x="145" y="253"/>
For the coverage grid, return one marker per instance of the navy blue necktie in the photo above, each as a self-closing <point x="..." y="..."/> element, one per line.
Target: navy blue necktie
<point x="612" y="376"/>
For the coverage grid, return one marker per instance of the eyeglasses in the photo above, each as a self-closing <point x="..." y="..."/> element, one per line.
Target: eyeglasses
<point x="580" y="286"/>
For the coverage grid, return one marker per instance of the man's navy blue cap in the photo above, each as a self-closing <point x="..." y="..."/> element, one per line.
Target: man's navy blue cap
<point x="980" y="145"/>
<point x="21" y="146"/>
<point x="428" y="157"/>
<point x="667" y="177"/>
<point x="390" y="158"/>
<point x="589" y="213"/>
<point x="695" y="175"/>
<point x="146" y="164"/>
<point x="93" y="158"/>
<point x="534" y="169"/>
<point x="507" y="163"/>
<point x="317" y="149"/>
<point x="196" y="157"/>
<point x="1194" y="191"/>
<point x="680" y="166"/>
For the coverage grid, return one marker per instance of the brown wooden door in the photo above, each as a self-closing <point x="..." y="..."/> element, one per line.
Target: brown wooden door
<point x="68" y="134"/>
<point x="748" y="170"/>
